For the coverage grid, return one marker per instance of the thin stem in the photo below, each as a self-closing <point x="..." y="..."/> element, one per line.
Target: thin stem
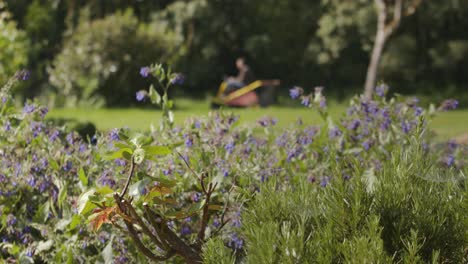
<point x="130" y="175"/>
<point x="134" y="235"/>
<point x="206" y="213"/>
<point x="188" y="166"/>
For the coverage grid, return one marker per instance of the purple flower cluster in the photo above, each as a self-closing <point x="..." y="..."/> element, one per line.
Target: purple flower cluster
<point x="449" y="104"/>
<point x="141" y="95"/>
<point x="296" y="92"/>
<point x="145" y="71"/>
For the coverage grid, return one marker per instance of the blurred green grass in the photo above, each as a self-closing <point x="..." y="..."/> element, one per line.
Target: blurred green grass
<point x="446" y="125"/>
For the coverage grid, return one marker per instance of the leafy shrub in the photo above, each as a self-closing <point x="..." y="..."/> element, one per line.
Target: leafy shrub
<point x="99" y="63"/>
<point x="43" y="170"/>
<point x="13" y="46"/>
<point x="370" y="187"/>
<point x="389" y="198"/>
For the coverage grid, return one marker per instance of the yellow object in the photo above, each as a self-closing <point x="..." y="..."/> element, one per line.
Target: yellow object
<point x="224" y="99"/>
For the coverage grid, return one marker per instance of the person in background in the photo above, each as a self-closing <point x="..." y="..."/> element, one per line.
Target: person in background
<point x="243" y="78"/>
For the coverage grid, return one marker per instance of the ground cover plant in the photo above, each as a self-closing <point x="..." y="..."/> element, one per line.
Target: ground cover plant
<point x="371" y="186"/>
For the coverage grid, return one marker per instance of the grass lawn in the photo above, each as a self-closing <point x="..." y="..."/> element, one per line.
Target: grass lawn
<point x="446" y="125"/>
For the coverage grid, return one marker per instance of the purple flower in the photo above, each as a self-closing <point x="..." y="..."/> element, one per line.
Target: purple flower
<point x="334" y="132"/>
<point x="94" y="140"/>
<point x="43" y="112"/>
<point x="7" y="125"/>
<point x="145" y="71"/>
<point x="185" y="230"/>
<point x="405" y="127"/>
<point x="225" y="172"/>
<point x="141" y="95"/>
<point x="216" y="222"/>
<point x="120" y="162"/>
<point x="236" y="242"/>
<point x="28" y="108"/>
<point x="11" y="220"/>
<point x="449" y="160"/>
<point x="381" y="90"/>
<point x="282" y="140"/>
<point x="353" y="125"/>
<point x="449" y="104"/>
<point x="54" y="135"/>
<point x="36" y="128"/>
<point x="82" y="148"/>
<point x="266" y="121"/>
<point x="188" y="141"/>
<point x="71" y="138"/>
<point x="106" y="179"/>
<point x="294" y="153"/>
<point x="22" y="75"/>
<point x="323" y="102"/>
<point x="114" y="134"/>
<point x="178" y="79"/>
<point x="68" y="166"/>
<point x="452" y="145"/>
<point x="305" y="100"/>
<point x="295" y="92"/>
<point x="366" y="144"/>
<point x="196" y="197"/>
<point x="418" y="111"/>
<point x="229" y="147"/>
<point x="324" y="181"/>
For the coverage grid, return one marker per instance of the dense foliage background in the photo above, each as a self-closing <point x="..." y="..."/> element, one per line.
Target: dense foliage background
<point x="90" y="50"/>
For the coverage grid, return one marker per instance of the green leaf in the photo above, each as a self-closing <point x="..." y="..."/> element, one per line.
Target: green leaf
<point x="194" y="208"/>
<point x="62" y="224"/>
<point x="108" y="254"/>
<point x="84" y="204"/>
<point x="215" y="207"/>
<point x="170" y="104"/>
<point x="118" y="154"/>
<point x="123" y="135"/>
<point x="82" y="177"/>
<point x="139" y="140"/>
<point x="44" y="246"/>
<point x="75" y="221"/>
<point x="62" y="196"/>
<point x="166" y="182"/>
<point x="42" y="213"/>
<point x="121" y="145"/>
<point x="127" y="156"/>
<point x="70" y="259"/>
<point x="137" y="188"/>
<point x="104" y="190"/>
<point x="154" y="96"/>
<point x="53" y="163"/>
<point x="157" y="150"/>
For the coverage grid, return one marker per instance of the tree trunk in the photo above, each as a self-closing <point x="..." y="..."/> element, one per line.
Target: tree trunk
<point x="374" y="64"/>
<point x="379" y="44"/>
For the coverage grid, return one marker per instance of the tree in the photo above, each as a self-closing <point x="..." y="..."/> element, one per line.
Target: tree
<point x="385" y="28"/>
<point x="13" y="45"/>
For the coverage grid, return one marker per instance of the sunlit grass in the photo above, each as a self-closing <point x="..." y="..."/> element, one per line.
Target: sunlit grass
<point x="446" y="125"/>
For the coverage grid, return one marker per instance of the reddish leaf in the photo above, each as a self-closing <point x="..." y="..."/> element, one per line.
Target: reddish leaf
<point x="101" y="216"/>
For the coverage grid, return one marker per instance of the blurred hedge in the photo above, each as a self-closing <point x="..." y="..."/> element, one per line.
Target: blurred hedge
<point x="100" y="62"/>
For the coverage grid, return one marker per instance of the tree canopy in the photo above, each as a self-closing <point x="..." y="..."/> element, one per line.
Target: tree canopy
<point x="301" y="42"/>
